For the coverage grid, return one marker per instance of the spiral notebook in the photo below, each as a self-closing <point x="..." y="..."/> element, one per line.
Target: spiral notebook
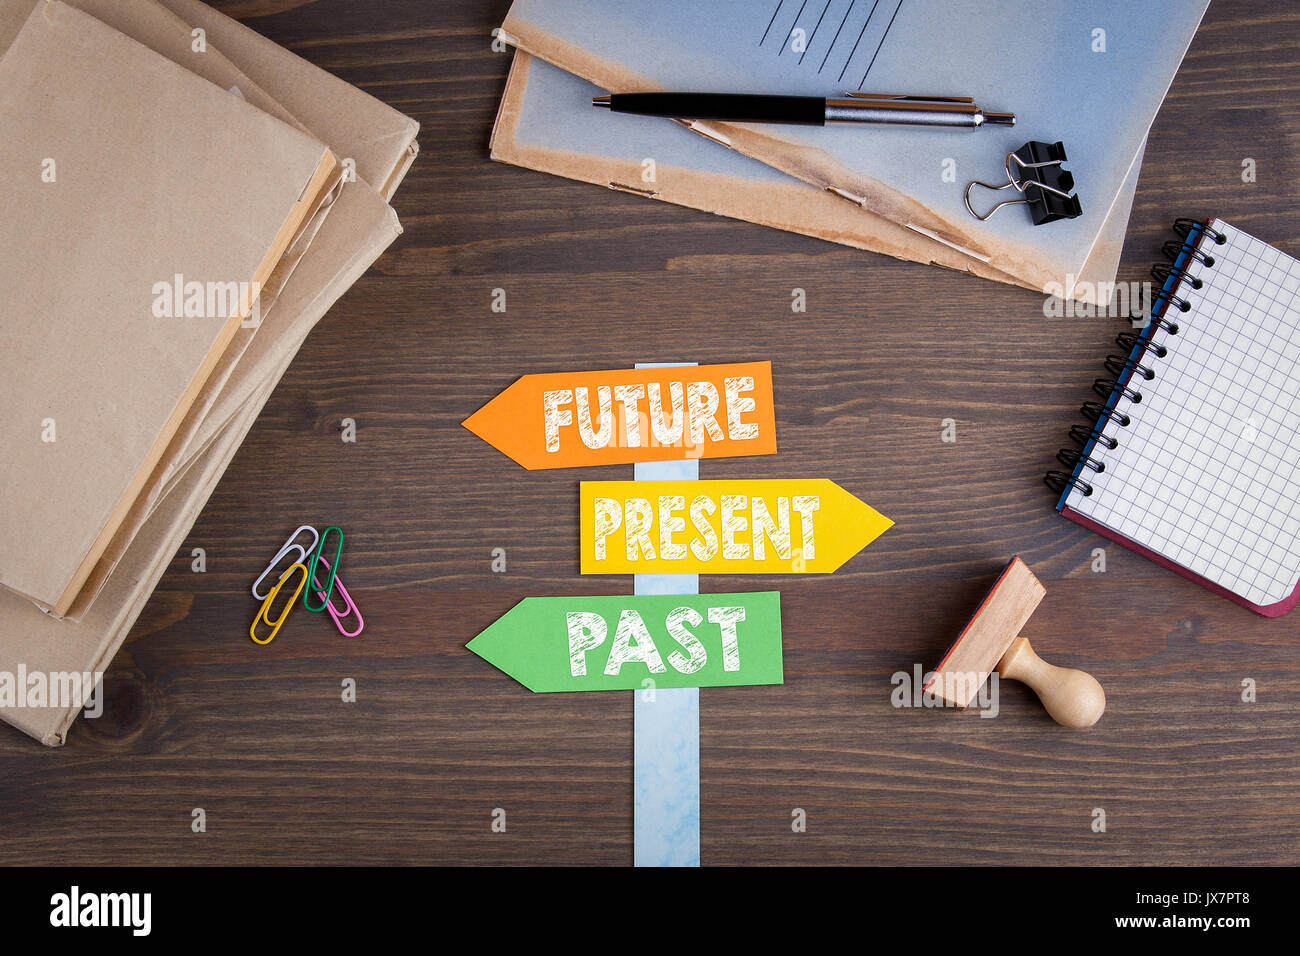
<point x="1192" y="458"/>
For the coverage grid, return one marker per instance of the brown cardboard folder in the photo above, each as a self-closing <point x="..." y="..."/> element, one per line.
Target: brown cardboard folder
<point x="359" y="227"/>
<point x="122" y="194"/>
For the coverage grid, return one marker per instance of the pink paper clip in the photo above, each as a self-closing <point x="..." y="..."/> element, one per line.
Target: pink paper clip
<point x="338" y="615"/>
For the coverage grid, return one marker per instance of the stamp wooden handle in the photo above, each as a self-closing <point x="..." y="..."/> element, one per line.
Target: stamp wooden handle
<point x="1072" y="697"/>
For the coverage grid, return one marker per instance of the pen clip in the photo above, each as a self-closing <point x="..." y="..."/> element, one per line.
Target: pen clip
<point x="919" y="99"/>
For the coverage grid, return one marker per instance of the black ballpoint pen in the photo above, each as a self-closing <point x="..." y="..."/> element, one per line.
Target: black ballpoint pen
<point x="955" y="112"/>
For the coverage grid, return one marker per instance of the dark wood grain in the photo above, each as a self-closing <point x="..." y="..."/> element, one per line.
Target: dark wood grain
<point x="199" y="717"/>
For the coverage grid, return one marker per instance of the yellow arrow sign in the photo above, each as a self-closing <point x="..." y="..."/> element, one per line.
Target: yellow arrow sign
<point x="764" y="526"/>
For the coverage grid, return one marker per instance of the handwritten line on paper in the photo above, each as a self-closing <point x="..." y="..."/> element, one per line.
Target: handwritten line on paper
<point x="812" y="36"/>
<point x="881" y="43"/>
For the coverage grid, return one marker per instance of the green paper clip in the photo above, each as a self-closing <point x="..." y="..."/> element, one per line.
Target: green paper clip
<point x="333" y="566"/>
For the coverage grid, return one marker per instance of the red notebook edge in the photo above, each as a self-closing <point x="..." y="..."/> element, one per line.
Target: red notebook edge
<point x="1282" y="607"/>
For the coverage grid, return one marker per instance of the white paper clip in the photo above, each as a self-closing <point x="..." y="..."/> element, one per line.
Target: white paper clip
<point x="289" y="545"/>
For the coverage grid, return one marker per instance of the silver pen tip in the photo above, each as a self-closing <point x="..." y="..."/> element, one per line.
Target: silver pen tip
<point x="600" y="101"/>
<point x="1000" y="119"/>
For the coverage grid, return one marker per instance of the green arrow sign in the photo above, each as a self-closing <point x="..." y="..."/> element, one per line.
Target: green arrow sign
<point x="615" y="643"/>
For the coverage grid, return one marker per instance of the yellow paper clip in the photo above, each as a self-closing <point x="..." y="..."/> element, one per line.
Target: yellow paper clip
<point x="270" y="598"/>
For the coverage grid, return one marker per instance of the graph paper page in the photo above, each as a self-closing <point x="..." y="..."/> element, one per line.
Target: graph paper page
<point x="1207" y="472"/>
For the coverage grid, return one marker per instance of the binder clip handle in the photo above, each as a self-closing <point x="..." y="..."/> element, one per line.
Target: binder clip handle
<point x="1045" y="187"/>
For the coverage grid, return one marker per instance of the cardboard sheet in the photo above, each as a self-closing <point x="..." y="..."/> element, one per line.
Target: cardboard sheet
<point x="166" y="33"/>
<point x="150" y="23"/>
<point x="103" y="357"/>
<point x="381" y="141"/>
<point x="358" y="229"/>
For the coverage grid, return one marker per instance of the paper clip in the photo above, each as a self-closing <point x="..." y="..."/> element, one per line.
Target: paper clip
<point x="270" y="598"/>
<point x="334" y="568"/>
<point x="339" y="615"/>
<point x="289" y="545"/>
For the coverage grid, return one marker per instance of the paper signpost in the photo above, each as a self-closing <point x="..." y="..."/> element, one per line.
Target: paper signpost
<point x="622" y="416"/>
<point x="765" y="526"/>
<point x="616" y="642"/>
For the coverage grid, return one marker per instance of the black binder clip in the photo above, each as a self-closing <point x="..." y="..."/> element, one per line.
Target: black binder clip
<point x="1041" y="180"/>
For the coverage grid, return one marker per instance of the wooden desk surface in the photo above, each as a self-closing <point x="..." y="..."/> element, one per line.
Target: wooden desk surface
<point x="1186" y="772"/>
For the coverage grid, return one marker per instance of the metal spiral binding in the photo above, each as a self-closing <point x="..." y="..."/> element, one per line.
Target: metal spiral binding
<point x="1134" y="359"/>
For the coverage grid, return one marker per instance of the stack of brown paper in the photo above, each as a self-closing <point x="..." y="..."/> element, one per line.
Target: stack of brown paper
<point x="909" y="177"/>
<point x="125" y="278"/>
<point x="338" y="234"/>
<point x="545" y="123"/>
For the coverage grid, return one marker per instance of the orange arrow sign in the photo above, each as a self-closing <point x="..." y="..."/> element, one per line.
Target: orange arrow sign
<point x="567" y="419"/>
